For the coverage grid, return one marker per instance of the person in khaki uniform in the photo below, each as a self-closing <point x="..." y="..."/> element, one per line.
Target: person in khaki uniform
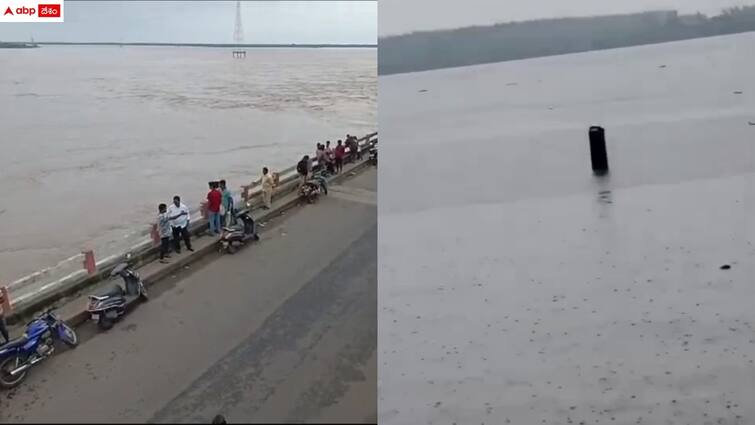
<point x="268" y="184"/>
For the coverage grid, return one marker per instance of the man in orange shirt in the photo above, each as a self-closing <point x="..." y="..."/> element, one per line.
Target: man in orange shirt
<point x="214" y="199"/>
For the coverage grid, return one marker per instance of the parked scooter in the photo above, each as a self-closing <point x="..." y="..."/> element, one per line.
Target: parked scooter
<point x="108" y="306"/>
<point x="37" y="344"/>
<point x="240" y="233"/>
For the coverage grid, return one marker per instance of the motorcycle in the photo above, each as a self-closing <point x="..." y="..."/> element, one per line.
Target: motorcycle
<point x="240" y="233"/>
<point x="36" y="344"/>
<point x="310" y="191"/>
<point x="374" y="155"/>
<point x="108" y="306"/>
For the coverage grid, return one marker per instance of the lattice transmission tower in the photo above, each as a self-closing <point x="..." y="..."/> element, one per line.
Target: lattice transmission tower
<point x="238" y="32"/>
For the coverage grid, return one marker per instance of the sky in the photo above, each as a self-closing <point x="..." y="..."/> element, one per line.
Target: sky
<point x="404" y="16"/>
<point x="319" y="22"/>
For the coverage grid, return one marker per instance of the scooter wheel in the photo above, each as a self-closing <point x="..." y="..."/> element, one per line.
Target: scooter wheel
<point x="231" y="249"/>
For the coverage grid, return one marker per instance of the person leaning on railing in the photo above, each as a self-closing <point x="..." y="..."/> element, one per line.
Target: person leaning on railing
<point x="228" y="208"/>
<point x="304" y="169"/>
<point x="353" y="145"/>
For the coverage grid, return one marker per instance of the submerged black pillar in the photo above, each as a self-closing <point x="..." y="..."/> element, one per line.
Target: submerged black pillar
<point x="598" y="150"/>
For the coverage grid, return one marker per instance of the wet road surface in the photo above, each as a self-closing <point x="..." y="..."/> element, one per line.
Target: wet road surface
<point x="282" y="331"/>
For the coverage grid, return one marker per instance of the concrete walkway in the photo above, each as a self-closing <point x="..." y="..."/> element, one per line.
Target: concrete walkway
<point x="284" y="330"/>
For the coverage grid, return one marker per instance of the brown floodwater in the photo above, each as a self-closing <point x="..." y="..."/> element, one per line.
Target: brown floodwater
<point x="93" y="138"/>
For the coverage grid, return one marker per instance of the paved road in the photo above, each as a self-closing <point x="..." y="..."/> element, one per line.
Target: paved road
<point x="282" y="331"/>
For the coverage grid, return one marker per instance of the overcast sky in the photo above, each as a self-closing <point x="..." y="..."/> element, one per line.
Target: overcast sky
<point x="403" y="16"/>
<point x="285" y="22"/>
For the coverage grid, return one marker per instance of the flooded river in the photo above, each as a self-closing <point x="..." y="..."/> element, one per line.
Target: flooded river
<point x="521" y="289"/>
<point x="93" y="138"/>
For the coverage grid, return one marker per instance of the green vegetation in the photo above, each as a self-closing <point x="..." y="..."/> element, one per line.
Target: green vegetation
<point x="520" y="40"/>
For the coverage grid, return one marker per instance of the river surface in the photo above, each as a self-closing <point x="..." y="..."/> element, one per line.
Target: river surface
<point x="521" y="289"/>
<point x="93" y="138"/>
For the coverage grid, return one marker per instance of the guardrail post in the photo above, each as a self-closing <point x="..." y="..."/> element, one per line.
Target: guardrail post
<point x="89" y="264"/>
<point x="155" y="234"/>
<point x="7" y="304"/>
<point x="203" y="210"/>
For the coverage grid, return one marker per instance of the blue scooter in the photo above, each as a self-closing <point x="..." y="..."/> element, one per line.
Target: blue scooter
<point x="36" y="344"/>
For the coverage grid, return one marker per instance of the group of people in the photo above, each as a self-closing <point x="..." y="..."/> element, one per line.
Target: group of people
<point x="332" y="159"/>
<point x="219" y="205"/>
<point x="173" y="222"/>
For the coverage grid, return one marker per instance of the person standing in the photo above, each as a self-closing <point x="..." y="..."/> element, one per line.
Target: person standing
<point x="320" y="155"/>
<point x="179" y="217"/>
<point x="354" y="148"/>
<point x="330" y="156"/>
<point x="302" y="168"/>
<point x="340" y="154"/>
<point x="163" y="229"/>
<point x="214" y="200"/>
<point x="227" y="204"/>
<point x="267" y="188"/>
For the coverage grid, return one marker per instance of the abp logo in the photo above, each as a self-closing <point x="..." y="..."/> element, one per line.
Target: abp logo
<point x="30" y="11"/>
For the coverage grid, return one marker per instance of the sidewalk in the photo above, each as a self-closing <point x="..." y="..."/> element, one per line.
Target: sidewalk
<point x="72" y="309"/>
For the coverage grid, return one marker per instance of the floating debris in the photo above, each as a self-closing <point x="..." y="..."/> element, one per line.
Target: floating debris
<point x="725" y="267"/>
<point x="662" y="66"/>
<point x="737" y="92"/>
<point x="512" y="84"/>
<point x="423" y="91"/>
<point x="750" y="123"/>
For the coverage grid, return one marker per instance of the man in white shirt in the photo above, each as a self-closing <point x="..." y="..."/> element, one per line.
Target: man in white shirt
<point x="179" y="221"/>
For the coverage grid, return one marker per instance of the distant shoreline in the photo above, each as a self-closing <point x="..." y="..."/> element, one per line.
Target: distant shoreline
<point x="427" y="50"/>
<point x="17" y="45"/>
<point x="241" y="46"/>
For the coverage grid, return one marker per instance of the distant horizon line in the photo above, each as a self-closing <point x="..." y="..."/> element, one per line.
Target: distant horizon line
<point x="251" y="45"/>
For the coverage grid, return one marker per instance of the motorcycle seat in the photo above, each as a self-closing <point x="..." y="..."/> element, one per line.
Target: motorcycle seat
<point x="113" y="291"/>
<point x="15" y="342"/>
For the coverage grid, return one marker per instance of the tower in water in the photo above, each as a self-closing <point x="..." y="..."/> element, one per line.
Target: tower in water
<point x="238" y="32"/>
